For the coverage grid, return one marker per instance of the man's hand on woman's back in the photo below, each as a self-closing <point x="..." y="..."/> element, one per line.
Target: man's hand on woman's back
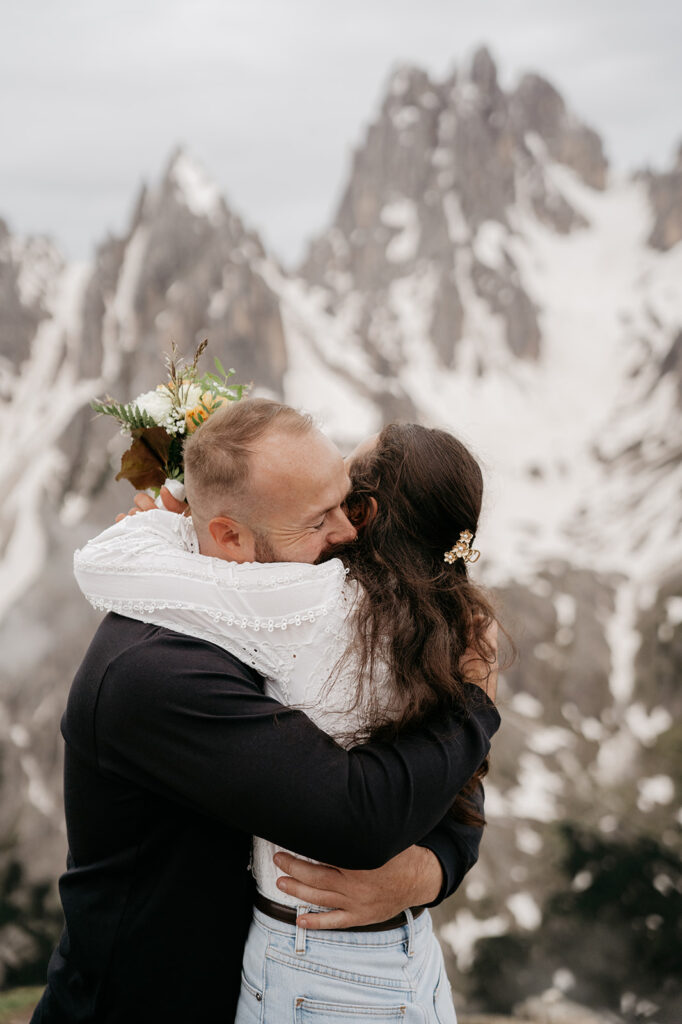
<point x="412" y="878"/>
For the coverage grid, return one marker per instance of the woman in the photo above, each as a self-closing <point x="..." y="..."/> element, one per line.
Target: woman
<point x="366" y="654"/>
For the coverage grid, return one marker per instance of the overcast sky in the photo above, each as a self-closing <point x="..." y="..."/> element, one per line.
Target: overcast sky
<point x="272" y="95"/>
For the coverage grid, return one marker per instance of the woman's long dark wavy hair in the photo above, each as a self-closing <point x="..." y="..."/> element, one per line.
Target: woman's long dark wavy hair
<point x="417" y="614"/>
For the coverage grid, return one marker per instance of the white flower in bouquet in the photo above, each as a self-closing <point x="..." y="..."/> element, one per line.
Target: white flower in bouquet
<point x="189" y="395"/>
<point x="158" y="404"/>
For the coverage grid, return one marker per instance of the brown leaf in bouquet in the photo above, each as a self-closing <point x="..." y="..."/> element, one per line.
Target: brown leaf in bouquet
<point x="145" y="462"/>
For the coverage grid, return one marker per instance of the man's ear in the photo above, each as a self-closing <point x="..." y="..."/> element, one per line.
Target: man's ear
<point x="233" y="540"/>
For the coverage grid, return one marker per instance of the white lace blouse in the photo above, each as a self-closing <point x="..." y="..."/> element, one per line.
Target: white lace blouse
<point x="289" y="621"/>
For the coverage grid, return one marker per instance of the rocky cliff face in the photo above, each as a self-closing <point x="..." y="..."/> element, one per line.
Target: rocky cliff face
<point x="483" y="272"/>
<point x="28" y="271"/>
<point x="664" y="191"/>
<point x="435" y="192"/>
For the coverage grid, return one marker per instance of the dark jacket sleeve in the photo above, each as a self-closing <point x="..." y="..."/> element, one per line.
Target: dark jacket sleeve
<point x="456" y="846"/>
<point x="183" y="720"/>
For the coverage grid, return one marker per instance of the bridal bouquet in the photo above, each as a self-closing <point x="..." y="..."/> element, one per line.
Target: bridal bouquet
<point x="157" y="421"/>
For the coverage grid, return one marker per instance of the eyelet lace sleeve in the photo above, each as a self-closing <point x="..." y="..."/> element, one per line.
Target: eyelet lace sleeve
<point x="148" y="567"/>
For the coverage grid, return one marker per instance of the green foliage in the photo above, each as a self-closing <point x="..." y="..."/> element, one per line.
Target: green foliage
<point x="18" y="1001"/>
<point x="219" y="384"/>
<point x="129" y="416"/>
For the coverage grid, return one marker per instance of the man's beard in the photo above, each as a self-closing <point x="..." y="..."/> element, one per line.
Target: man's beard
<point x="342" y="551"/>
<point x="263" y="549"/>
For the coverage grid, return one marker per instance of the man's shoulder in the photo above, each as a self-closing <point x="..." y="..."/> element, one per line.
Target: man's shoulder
<point x="125" y="649"/>
<point x="128" y="641"/>
<point x="134" y="668"/>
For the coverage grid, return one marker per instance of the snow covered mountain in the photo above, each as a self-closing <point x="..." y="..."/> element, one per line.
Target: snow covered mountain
<point x="484" y="272"/>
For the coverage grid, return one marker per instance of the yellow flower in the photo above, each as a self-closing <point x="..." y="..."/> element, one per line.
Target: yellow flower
<point x="212" y="402"/>
<point x="194" y="418"/>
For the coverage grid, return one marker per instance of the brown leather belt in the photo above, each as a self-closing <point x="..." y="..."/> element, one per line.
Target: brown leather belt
<point x="288" y="916"/>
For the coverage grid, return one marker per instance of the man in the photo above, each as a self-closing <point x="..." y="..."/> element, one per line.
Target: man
<point x="175" y="757"/>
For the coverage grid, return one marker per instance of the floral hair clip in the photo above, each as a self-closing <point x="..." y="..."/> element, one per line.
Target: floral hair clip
<point x="462" y="549"/>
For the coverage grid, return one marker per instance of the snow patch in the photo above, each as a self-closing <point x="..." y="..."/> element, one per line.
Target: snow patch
<point x="38" y="793"/>
<point x="495" y="803"/>
<point x="19" y="736"/>
<point x="582" y="881"/>
<point x="528" y="840"/>
<point x="673" y="610"/>
<point x="525" y="910"/>
<point x="463" y="933"/>
<point x="488" y="244"/>
<point x="476" y="890"/>
<point x="616" y="757"/>
<point x="73" y="509"/>
<point x="563" y="979"/>
<point x="656" y="790"/>
<point x="200" y="193"/>
<point x="402" y="214"/>
<point x="31" y="462"/>
<point x="648" y="726"/>
<point x="565" y="606"/>
<point x="526" y="705"/>
<point x="39" y="264"/>
<point x="218" y="304"/>
<point x="550" y="740"/>
<point x="535" y="796"/>
<point x="120" y="320"/>
<point x="624" y="640"/>
<point x="592" y="729"/>
<point x="458" y="229"/>
<point x="405" y="117"/>
<point x="325" y="361"/>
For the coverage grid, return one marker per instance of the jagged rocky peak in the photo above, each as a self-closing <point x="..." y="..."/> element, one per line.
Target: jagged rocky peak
<point x="29" y="268"/>
<point x="459" y="150"/>
<point x="390" y="167"/>
<point x="483" y="71"/>
<point x="440" y="162"/>
<point x="190" y="269"/>
<point x="194" y="186"/>
<point x="539" y="108"/>
<point x="665" y="193"/>
<point x="495" y="160"/>
<point x="186" y="269"/>
<point x="187" y="191"/>
<point x="478" y="152"/>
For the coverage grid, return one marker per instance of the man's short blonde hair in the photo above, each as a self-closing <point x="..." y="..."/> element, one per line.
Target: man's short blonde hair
<point x="217" y="453"/>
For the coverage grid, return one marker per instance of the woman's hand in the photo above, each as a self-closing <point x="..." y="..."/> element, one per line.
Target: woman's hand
<point x="476" y="670"/>
<point x="143" y="503"/>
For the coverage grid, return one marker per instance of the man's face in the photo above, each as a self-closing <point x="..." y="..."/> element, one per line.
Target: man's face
<point x="297" y="486"/>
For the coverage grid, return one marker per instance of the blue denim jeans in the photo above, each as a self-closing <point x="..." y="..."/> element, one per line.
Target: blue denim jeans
<point x="297" y="976"/>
